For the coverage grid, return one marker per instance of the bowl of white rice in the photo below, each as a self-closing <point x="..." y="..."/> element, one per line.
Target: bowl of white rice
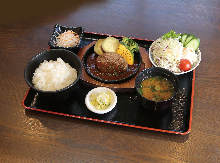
<point x="167" y="53"/>
<point x="54" y="73"/>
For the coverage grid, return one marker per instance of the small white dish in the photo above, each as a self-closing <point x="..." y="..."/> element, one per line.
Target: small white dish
<point x="98" y="91"/>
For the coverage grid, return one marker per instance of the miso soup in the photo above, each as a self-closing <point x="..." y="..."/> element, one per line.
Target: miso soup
<point x="157" y="89"/>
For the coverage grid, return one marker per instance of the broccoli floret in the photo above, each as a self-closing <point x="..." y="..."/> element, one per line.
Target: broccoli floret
<point x="130" y="44"/>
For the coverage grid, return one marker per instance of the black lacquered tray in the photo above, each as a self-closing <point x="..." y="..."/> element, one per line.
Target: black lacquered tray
<point x="128" y="111"/>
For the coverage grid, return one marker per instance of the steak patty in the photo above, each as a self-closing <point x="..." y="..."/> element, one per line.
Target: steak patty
<point x="111" y="63"/>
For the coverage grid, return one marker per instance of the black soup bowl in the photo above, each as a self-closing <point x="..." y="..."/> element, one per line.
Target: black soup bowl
<point x="161" y="106"/>
<point x="68" y="57"/>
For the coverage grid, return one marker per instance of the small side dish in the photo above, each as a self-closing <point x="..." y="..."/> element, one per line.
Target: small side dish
<point x="101" y="100"/>
<point x="68" y="39"/>
<point x="178" y="53"/>
<point x="64" y="37"/>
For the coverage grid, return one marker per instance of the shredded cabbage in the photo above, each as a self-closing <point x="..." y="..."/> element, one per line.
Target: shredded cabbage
<point x="101" y="100"/>
<point x="167" y="53"/>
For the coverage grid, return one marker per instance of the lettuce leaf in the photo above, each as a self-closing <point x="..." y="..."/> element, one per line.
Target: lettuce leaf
<point x="171" y="34"/>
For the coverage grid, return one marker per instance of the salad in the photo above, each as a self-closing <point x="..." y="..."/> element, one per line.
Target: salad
<point x="176" y="52"/>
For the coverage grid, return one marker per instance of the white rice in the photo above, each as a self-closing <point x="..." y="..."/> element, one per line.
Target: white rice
<point x="54" y="75"/>
<point x="168" y="53"/>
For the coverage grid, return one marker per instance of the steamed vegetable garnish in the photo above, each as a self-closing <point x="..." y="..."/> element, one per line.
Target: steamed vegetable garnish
<point x="130" y="44"/>
<point x="110" y="44"/>
<point x="127" y="48"/>
<point x="171" y="34"/>
<point x="98" y="47"/>
<point x="126" y="54"/>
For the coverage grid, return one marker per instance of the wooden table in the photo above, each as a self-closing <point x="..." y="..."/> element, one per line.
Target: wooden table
<point x="35" y="137"/>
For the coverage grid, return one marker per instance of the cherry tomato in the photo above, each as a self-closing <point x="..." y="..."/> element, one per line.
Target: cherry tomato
<point x="185" y="65"/>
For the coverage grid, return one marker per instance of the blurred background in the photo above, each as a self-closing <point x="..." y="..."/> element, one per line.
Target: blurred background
<point x="100" y="15"/>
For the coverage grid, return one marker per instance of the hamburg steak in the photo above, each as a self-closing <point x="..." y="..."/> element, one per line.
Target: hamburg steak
<point x="111" y="63"/>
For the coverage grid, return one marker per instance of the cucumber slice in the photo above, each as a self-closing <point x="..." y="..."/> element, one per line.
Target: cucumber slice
<point x="194" y="44"/>
<point x="183" y="37"/>
<point x="188" y="39"/>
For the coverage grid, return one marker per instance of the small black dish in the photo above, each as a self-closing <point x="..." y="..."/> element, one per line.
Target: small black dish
<point x="161" y="106"/>
<point x="68" y="57"/>
<point x="89" y="63"/>
<point x="58" y="29"/>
